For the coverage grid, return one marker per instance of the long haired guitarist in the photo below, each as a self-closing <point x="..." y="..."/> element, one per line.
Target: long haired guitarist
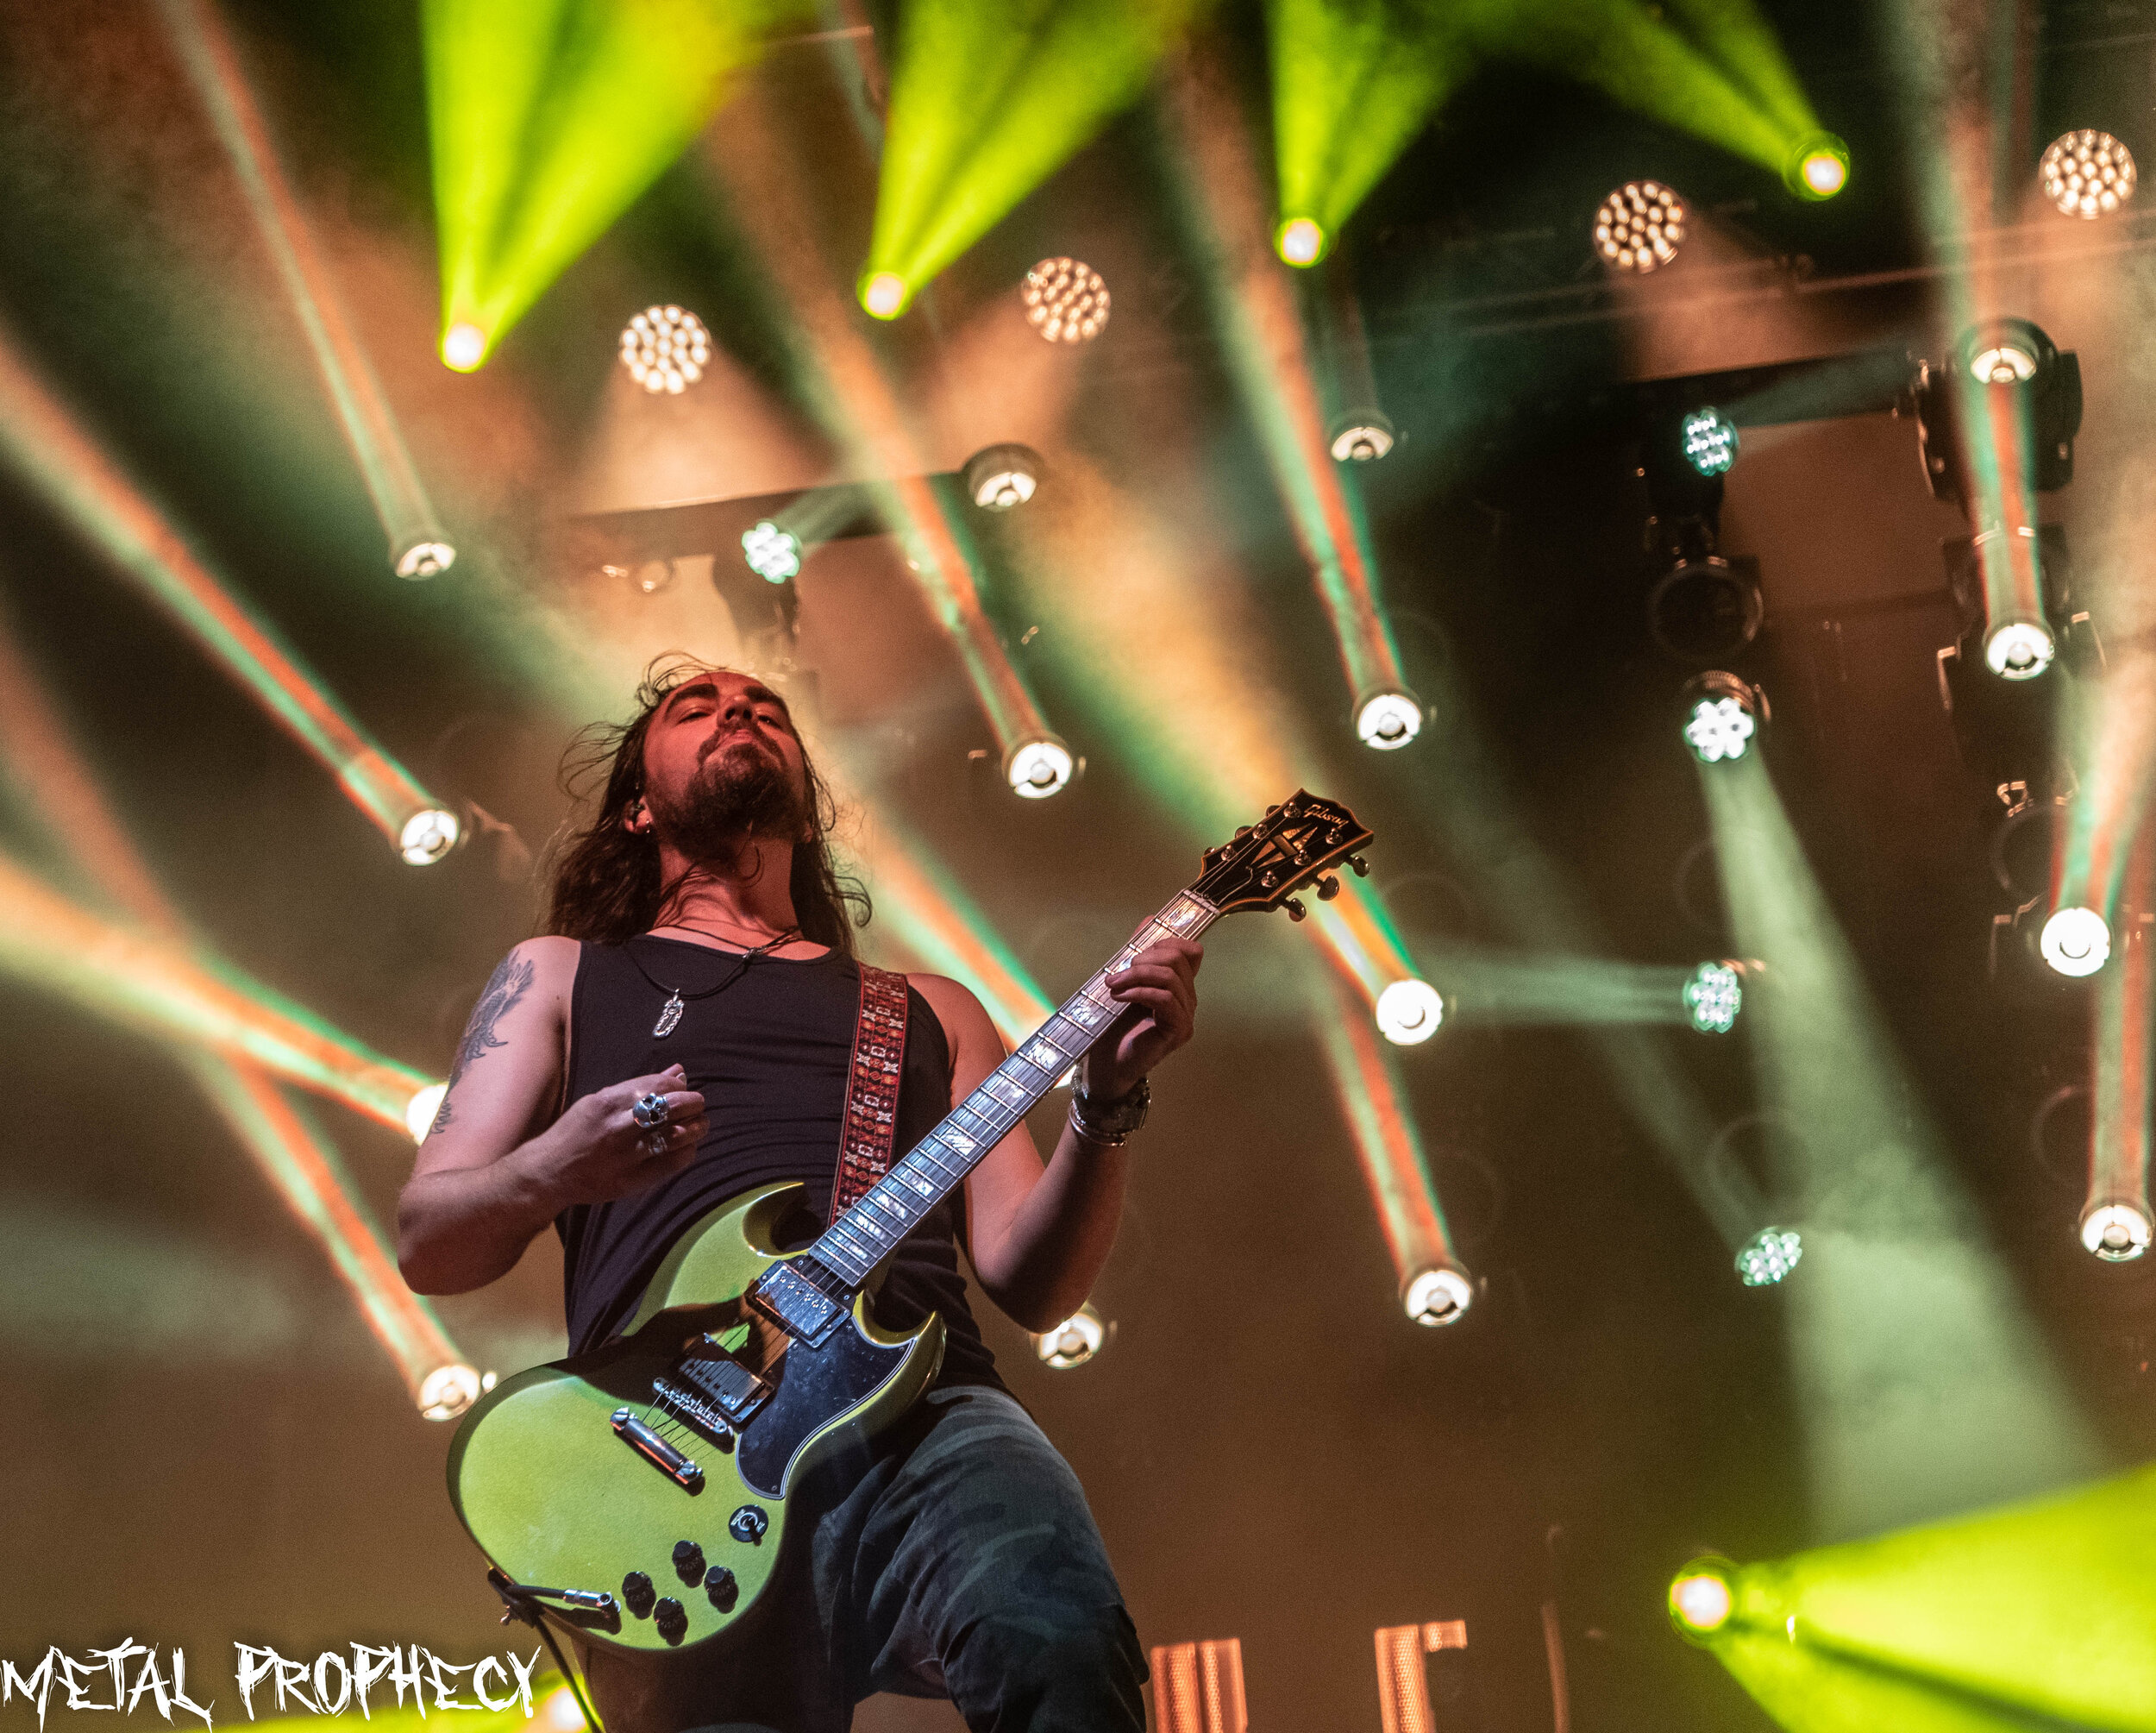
<point x="686" y="1030"/>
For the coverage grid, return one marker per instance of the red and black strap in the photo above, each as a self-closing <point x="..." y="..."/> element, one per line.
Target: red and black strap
<point x="872" y="1090"/>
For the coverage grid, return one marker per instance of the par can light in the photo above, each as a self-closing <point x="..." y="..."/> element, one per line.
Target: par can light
<point x="1702" y="1597"/>
<point x="1073" y="1341"/>
<point x="1438" y="1296"/>
<point x="1039" y="767"/>
<point x="1385" y="721"/>
<point x="463" y="347"/>
<point x="419" y="1112"/>
<point x="1299" y="241"/>
<point x="425" y="558"/>
<point x="1409" y="1012"/>
<point x="428" y="836"/>
<point x="883" y="295"/>
<point x="1713" y="996"/>
<point x="2118" y="1233"/>
<point x="2075" y="941"/>
<point x="1722" y="713"/>
<point x="1002" y="476"/>
<point x="1818" y="166"/>
<point x="1640" y="226"/>
<point x="773" y="554"/>
<point x="2087" y="173"/>
<point x="1066" y="301"/>
<point x="1710" y="440"/>
<point x="1362" y="438"/>
<point x="448" y="1391"/>
<point x="666" y="349"/>
<point x="1769" y="1256"/>
<point x="2006" y="352"/>
<point x="2019" y="649"/>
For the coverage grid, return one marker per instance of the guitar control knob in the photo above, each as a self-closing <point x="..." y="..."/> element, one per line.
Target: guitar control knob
<point x="722" y="1588"/>
<point x="671" y="1618"/>
<point x="635" y="1593"/>
<point x="748" y="1524"/>
<point x="688" y="1561"/>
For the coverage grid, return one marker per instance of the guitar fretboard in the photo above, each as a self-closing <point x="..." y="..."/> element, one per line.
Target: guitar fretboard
<point x="890" y="1208"/>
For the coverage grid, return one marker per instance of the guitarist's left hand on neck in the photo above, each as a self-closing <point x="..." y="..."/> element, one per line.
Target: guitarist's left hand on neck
<point x="1159" y="994"/>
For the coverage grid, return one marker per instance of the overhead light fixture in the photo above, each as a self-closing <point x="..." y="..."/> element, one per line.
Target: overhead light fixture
<point x="1073" y="1341"/>
<point x="1722" y="715"/>
<point x="1385" y="721"/>
<point x="1066" y="300"/>
<point x="1769" y="1256"/>
<point x="1039" y="767"/>
<point x="425" y="558"/>
<point x="1299" y="241"/>
<point x="2019" y="649"/>
<point x="1640" y="226"/>
<point x="1002" y="476"/>
<point x="883" y="295"/>
<point x="2118" y="1233"/>
<point x="428" y="836"/>
<point x="420" y="1110"/>
<point x="448" y="1391"/>
<point x="1438" y="1296"/>
<point x="666" y="349"/>
<point x="1702" y="1597"/>
<point x="2006" y="352"/>
<point x="2087" y="173"/>
<point x="1713" y="996"/>
<point x="1409" y="1012"/>
<point x="1818" y="166"/>
<point x="463" y="347"/>
<point x="1706" y="608"/>
<point x="1362" y="438"/>
<point x="1710" y="440"/>
<point x="2076" y="942"/>
<point x="773" y="554"/>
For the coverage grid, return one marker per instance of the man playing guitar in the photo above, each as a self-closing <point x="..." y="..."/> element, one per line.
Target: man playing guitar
<point x="699" y="949"/>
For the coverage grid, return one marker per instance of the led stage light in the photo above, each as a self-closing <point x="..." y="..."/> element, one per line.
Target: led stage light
<point x="448" y="1391"/>
<point x="1066" y="301"/>
<point x="665" y="348"/>
<point x="428" y="836"/>
<point x="1385" y="721"/>
<point x="1722" y="713"/>
<point x="1002" y="476"/>
<point x="2087" y="173"/>
<point x="1640" y="226"/>
<point x="425" y="558"/>
<point x="2005" y="351"/>
<point x="1362" y="438"/>
<point x="1818" y="166"/>
<point x="1409" y="1012"/>
<point x="773" y="554"/>
<point x="1437" y="1297"/>
<point x="463" y="347"/>
<point x="883" y="294"/>
<point x="1299" y="241"/>
<point x="1768" y="1255"/>
<point x="1038" y="767"/>
<point x="1701" y="1598"/>
<point x="2075" y="941"/>
<point x="424" y="1105"/>
<point x="1710" y="440"/>
<point x="2019" y="649"/>
<point x="1713" y="996"/>
<point x="2117" y="1233"/>
<point x="1073" y="1341"/>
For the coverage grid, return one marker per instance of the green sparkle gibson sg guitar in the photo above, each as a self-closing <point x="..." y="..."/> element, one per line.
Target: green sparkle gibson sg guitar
<point x="637" y="1494"/>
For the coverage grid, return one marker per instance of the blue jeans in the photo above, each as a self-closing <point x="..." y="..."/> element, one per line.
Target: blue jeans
<point x="956" y="1557"/>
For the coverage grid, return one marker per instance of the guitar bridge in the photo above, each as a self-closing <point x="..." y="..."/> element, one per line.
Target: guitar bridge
<point x="720" y="1395"/>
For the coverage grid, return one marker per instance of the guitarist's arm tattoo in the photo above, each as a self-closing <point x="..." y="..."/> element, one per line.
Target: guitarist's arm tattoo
<point x="512" y="978"/>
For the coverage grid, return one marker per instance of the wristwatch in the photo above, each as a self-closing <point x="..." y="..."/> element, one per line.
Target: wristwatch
<point x="1110" y="1122"/>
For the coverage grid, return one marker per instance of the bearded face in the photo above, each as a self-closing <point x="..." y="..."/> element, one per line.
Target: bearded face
<point x="741" y="792"/>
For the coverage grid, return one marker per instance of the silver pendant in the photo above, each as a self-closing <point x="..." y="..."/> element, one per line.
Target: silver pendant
<point x="668" y="1017"/>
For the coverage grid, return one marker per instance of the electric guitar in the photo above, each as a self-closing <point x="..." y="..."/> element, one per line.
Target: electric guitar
<point x="637" y="1493"/>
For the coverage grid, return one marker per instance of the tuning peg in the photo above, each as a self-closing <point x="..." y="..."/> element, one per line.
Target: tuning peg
<point x="1328" y="887"/>
<point x="1362" y="866"/>
<point x="1241" y="832"/>
<point x="1295" y="910"/>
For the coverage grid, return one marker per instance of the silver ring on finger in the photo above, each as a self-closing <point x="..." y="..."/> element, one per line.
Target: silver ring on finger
<point x="655" y="1142"/>
<point x="650" y="1110"/>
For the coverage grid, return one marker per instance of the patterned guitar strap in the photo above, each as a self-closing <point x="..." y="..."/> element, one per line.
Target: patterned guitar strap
<point x="872" y="1091"/>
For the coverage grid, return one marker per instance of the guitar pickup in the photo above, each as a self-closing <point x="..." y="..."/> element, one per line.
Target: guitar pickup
<point x="795" y="1304"/>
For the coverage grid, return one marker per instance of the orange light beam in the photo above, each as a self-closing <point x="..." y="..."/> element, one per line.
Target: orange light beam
<point x="417" y="546"/>
<point x="50" y="448"/>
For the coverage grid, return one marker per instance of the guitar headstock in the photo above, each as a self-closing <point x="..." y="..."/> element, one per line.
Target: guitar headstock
<point x="1264" y="865"/>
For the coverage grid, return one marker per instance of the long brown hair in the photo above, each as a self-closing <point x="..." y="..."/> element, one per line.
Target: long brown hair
<point x="604" y="882"/>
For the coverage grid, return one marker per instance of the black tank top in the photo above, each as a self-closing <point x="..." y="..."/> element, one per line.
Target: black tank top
<point x="770" y="1053"/>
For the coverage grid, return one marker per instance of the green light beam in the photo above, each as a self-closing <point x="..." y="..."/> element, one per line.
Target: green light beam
<point x="1924" y="1387"/>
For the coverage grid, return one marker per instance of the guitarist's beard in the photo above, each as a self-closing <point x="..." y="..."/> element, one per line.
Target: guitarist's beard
<point x="740" y="794"/>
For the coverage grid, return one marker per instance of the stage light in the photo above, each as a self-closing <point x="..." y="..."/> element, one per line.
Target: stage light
<point x="1702" y="1597"/>
<point x="463" y="347"/>
<point x="448" y="1391"/>
<point x="428" y="836"/>
<point x="2117" y="1233"/>
<point x="1710" y="441"/>
<point x="424" y="1105"/>
<point x="1818" y="166"/>
<point x="1713" y="996"/>
<point x="883" y="295"/>
<point x="648" y="578"/>
<point x="424" y="559"/>
<point x="1706" y="609"/>
<point x="1299" y="241"/>
<point x="2019" y="650"/>
<point x="1640" y="226"/>
<point x="1362" y="438"/>
<point x="774" y="555"/>
<point x="1768" y="1255"/>
<point x="1440" y="1296"/>
<point x="1039" y="767"/>
<point x="1409" y="1012"/>
<point x="1385" y="721"/>
<point x="2087" y="173"/>
<point x="2075" y="941"/>
<point x="665" y="348"/>
<point x="1073" y="1341"/>
<point x="1066" y="301"/>
<point x="1721" y="715"/>
<point x="2004" y="352"/>
<point x="1002" y="476"/>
